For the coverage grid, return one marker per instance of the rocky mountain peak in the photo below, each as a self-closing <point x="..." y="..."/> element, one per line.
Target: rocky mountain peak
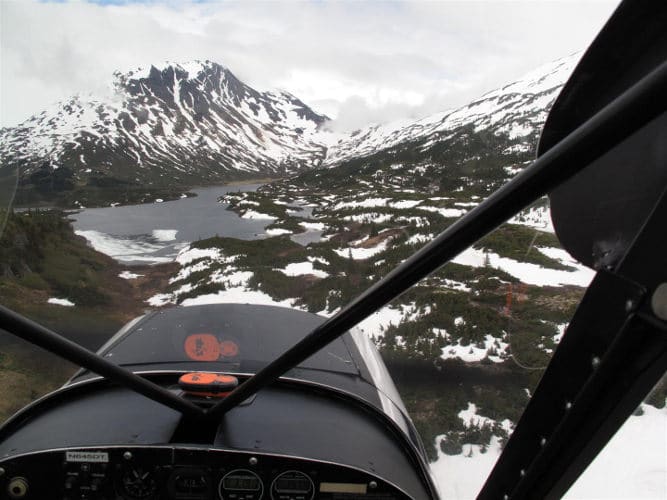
<point x="195" y="122"/>
<point x="179" y="123"/>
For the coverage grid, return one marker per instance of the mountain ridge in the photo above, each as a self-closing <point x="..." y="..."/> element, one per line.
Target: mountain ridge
<point x="517" y="109"/>
<point x="168" y="126"/>
<point x="187" y="124"/>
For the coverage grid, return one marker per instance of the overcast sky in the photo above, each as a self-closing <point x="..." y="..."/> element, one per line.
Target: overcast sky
<point x="359" y="62"/>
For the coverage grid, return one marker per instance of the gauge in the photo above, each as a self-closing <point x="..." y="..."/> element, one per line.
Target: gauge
<point x="241" y="483"/>
<point x="138" y="483"/>
<point x="292" y="485"/>
<point x="187" y="482"/>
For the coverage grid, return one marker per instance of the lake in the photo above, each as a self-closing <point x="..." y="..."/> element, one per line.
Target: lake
<point x="155" y="232"/>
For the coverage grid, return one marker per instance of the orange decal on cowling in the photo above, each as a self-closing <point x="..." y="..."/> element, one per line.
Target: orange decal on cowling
<point x="228" y="349"/>
<point x="217" y="385"/>
<point x="202" y="347"/>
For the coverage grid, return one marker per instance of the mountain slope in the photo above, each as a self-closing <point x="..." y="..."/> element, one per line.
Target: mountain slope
<point x="180" y="124"/>
<point x="516" y="110"/>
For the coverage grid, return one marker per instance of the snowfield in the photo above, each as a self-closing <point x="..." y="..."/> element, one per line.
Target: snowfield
<point x="164" y="234"/>
<point x="633" y="465"/>
<point x="472" y="353"/>
<point x="303" y="268"/>
<point x="530" y="273"/>
<point x="238" y="295"/>
<point x="125" y="250"/>
<point x="127" y="275"/>
<point x="60" y="302"/>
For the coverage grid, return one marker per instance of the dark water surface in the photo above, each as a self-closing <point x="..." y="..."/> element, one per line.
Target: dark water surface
<point x="154" y="232"/>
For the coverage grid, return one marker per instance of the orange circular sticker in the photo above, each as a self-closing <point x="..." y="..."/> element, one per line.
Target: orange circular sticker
<point x="199" y="378"/>
<point x="228" y="349"/>
<point x="202" y="347"/>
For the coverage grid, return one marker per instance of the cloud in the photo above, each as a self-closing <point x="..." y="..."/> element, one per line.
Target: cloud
<point x="362" y="61"/>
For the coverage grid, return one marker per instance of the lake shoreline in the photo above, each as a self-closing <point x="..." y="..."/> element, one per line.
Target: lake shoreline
<point x="157" y="193"/>
<point x="151" y="233"/>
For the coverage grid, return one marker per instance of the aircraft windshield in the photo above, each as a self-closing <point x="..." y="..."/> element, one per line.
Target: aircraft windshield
<point x="191" y="186"/>
<point x="224" y="339"/>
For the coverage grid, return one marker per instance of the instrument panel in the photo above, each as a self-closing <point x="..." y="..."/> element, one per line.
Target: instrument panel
<point x="175" y="473"/>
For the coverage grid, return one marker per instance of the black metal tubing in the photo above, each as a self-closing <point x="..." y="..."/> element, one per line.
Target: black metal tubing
<point x="623" y="116"/>
<point x="613" y="354"/>
<point x="41" y="336"/>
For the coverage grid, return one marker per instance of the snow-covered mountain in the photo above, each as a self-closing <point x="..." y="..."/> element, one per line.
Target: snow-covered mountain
<point x="181" y="125"/>
<point x="187" y="123"/>
<point x="518" y="110"/>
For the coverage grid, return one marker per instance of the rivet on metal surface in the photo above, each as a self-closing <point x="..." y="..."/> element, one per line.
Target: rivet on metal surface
<point x="543" y="441"/>
<point x="506" y="497"/>
<point x="522" y="472"/>
<point x="659" y="301"/>
<point x="629" y="305"/>
<point x="372" y="485"/>
<point x="568" y="405"/>
<point x="252" y="461"/>
<point x="127" y="455"/>
<point x="595" y="362"/>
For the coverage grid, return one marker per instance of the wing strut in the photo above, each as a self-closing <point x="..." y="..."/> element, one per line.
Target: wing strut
<point x="41" y="336"/>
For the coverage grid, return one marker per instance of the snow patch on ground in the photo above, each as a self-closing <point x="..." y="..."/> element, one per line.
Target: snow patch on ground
<point x="363" y="253"/>
<point x="537" y="217"/>
<point x="405" y="204"/>
<point x="61" y="302"/>
<point x="127" y="275"/>
<point x="123" y="249"/>
<point x="527" y="272"/>
<point x="164" y="234"/>
<point x="445" y="212"/>
<point x="302" y="268"/>
<point x="470" y="417"/>
<point x="276" y="231"/>
<point x="417" y="239"/>
<point x="376" y="324"/>
<point x="186" y="271"/>
<point x="367" y="203"/>
<point x="231" y="277"/>
<point x="313" y="226"/>
<point x="368" y="218"/>
<point x="632" y="465"/>
<point x="251" y="214"/>
<point x="189" y="254"/>
<point x="379" y="321"/>
<point x="473" y="353"/>
<point x="560" y="255"/>
<point x="456" y="285"/>
<point x="561" y="331"/>
<point x="238" y="295"/>
<point x="462" y="476"/>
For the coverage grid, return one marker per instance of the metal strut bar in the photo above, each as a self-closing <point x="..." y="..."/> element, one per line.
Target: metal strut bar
<point x="624" y="115"/>
<point x="613" y="354"/>
<point x="41" y="336"/>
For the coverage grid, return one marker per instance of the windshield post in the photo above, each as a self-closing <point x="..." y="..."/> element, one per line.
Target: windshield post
<point x="581" y="403"/>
